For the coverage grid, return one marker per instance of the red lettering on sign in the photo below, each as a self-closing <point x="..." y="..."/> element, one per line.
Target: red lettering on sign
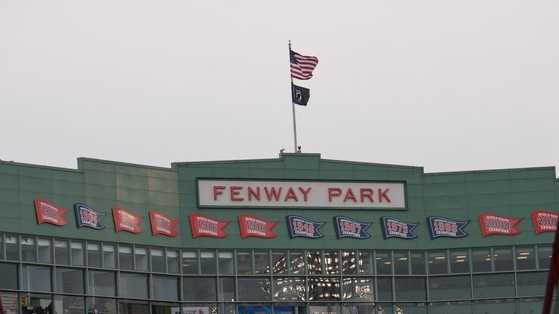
<point x="382" y="193"/>
<point x="366" y="194"/>
<point x="272" y="193"/>
<point x="349" y="196"/>
<point x="235" y="192"/>
<point x="333" y="192"/>
<point x="290" y="195"/>
<point x="305" y="193"/>
<point x="218" y="190"/>
<point x="254" y="193"/>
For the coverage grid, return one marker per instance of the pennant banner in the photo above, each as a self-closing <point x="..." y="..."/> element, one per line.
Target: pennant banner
<point x="251" y="226"/>
<point x="394" y="228"/>
<point x="202" y="226"/>
<point x="161" y="224"/>
<point x="300" y="227"/>
<point x="498" y="225"/>
<point x="88" y="217"/>
<point x="544" y="220"/>
<point x="351" y="228"/>
<point x="126" y="221"/>
<point x="47" y="213"/>
<point x="444" y="227"/>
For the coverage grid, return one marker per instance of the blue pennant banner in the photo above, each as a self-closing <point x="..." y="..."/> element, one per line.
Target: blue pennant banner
<point x="394" y="228"/>
<point x="300" y="227"/>
<point x="444" y="227"/>
<point x="88" y="217"/>
<point x="351" y="228"/>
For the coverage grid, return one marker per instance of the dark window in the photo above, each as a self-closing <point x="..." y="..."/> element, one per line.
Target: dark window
<point x="157" y="260"/>
<point x="108" y="256"/>
<point x="525" y="258"/>
<point x="226" y="265"/>
<point x="349" y="262"/>
<point x="544" y="256"/>
<point x="254" y="289"/>
<point x="358" y="289"/>
<point x="44" y="251"/>
<point x="1" y="246"/>
<point x="101" y="283"/>
<point x="69" y="280"/>
<point x="494" y="286"/>
<point x="101" y="306"/>
<point x="36" y="278"/>
<point x="437" y="262"/>
<point x="244" y="263"/>
<point x="133" y="286"/>
<point x="189" y="262"/>
<point x="208" y="262"/>
<point x="165" y="308"/>
<point x="125" y="257"/>
<point x="36" y="303"/>
<point x="68" y="304"/>
<point x="459" y="261"/>
<point x="481" y="260"/>
<point x="8" y="273"/>
<point x="449" y="288"/>
<point x="289" y="289"/>
<point x="199" y="289"/>
<point x="165" y="288"/>
<point x="531" y="284"/>
<point x="12" y="252"/>
<point x="410" y="288"/>
<point x="28" y="249"/>
<point x="502" y="258"/>
<point x="172" y="261"/>
<point x="324" y="289"/>
<point x="384" y="288"/>
<point x="141" y="258"/>
<point x="93" y="255"/>
<point x="401" y="263"/>
<point x="9" y="301"/>
<point x="332" y="262"/>
<point x="261" y="262"/>
<point x="314" y="262"/>
<point x="279" y="262"/>
<point x="417" y="262"/>
<point x="132" y="307"/>
<point x="297" y="262"/>
<point x="383" y="262"/>
<point x="77" y="253"/>
<point x="227" y="289"/>
<point x="61" y="252"/>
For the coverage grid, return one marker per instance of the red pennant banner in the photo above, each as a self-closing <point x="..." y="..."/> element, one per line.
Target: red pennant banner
<point x="126" y="221"/>
<point x="544" y="220"/>
<point x="256" y="227"/>
<point x="47" y="213"/>
<point x="493" y="224"/>
<point x="161" y="224"/>
<point x="202" y="226"/>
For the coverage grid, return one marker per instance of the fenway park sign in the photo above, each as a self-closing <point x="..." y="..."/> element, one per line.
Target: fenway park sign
<point x="225" y="193"/>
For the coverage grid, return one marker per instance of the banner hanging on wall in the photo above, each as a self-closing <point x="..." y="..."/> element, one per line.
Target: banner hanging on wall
<point x="300" y="227"/>
<point x="395" y="228"/>
<point x="88" y="217"/>
<point x="443" y="227"/>
<point x="47" y="213"/>
<point x="350" y="228"/>
<point x="202" y="226"/>
<point x="126" y="221"/>
<point x="161" y="224"/>
<point x="491" y="224"/>
<point x="544" y="220"/>
<point x="251" y="226"/>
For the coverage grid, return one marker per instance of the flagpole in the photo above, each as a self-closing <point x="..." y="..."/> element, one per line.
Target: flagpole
<point x="292" y="104"/>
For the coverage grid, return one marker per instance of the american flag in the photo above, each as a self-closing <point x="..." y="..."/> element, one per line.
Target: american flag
<point x="302" y="66"/>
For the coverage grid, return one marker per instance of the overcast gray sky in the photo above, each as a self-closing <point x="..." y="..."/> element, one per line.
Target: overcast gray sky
<point x="448" y="85"/>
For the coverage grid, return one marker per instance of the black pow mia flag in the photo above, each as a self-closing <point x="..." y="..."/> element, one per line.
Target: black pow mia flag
<point x="300" y="95"/>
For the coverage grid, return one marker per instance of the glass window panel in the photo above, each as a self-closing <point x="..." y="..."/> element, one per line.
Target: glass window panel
<point x="8" y="273"/>
<point x="459" y="261"/>
<point x="349" y="262"/>
<point x="172" y="261"/>
<point x="358" y="309"/>
<point x="297" y="262"/>
<point x="101" y="283"/>
<point x="410" y="308"/>
<point x="227" y="289"/>
<point x="358" y="289"/>
<point x="208" y="262"/>
<point x="165" y="309"/>
<point x="531" y="284"/>
<point x="189" y="262"/>
<point x="108" y="256"/>
<point x="332" y="262"/>
<point x="141" y="258"/>
<point x="493" y="306"/>
<point x="77" y="253"/>
<point x="200" y="308"/>
<point x="314" y="262"/>
<point x="69" y="280"/>
<point x="36" y="278"/>
<point x="61" y="252"/>
<point x="324" y="289"/>
<point x="529" y="306"/>
<point x="125" y="257"/>
<point x="279" y="262"/>
<point x="93" y="255"/>
<point x="410" y="288"/>
<point x="332" y="308"/>
<point x="157" y="260"/>
<point x="1" y="246"/>
<point x="401" y="263"/>
<point x="132" y="307"/>
<point x="383" y="260"/>
<point x="9" y="301"/>
<point x="101" y="306"/>
<point x="494" y="286"/>
<point x="199" y="289"/>
<point x="525" y="257"/>
<point x="165" y="288"/>
<point x="261" y="262"/>
<point x="437" y="262"/>
<point x="384" y="288"/>
<point x="254" y="289"/>
<point x="449" y="288"/>
<point x="460" y="307"/>
<point x="44" y="251"/>
<point x="244" y="263"/>
<point x="133" y="286"/>
<point x="481" y="260"/>
<point x="417" y="262"/>
<point x="544" y="256"/>
<point x="28" y="249"/>
<point x="68" y="304"/>
<point x="289" y="289"/>
<point x="364" y="262"/>
<point x="36" y="303"/>
<point x="225" y="260"/>
<point x="12" y="252"/>
<point x="502" y="259"/>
